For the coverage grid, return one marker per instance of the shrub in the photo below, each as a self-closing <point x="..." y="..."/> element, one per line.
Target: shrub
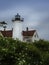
<point x="15" y="52"/>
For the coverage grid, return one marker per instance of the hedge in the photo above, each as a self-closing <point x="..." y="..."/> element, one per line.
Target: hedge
<point x="15" y="52"/>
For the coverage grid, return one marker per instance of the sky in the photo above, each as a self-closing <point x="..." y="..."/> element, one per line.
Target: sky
<point x="34" y="12"/>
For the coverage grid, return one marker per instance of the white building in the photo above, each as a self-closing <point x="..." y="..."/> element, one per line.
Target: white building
<point x="17" y="32"/>
<point x="30" y="35"/>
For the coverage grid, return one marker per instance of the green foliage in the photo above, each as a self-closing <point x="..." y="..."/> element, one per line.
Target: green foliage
<point x="15" y="52"/>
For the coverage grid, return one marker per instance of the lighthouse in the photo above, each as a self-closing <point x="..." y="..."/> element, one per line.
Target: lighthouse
<point x="17" y="27"/>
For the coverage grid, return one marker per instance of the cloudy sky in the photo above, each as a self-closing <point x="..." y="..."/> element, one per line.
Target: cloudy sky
<point x="34" y="12"/>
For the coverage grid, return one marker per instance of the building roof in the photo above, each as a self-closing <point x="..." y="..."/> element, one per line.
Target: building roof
<point x="28" y="33"/>
<point x="7" y="33"/>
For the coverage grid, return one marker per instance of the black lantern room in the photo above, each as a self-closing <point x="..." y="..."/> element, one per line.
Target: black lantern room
<point x="18" y="18"/>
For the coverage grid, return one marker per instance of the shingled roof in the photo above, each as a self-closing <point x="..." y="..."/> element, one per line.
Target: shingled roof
<point x="28" y="33"/>
<point x="7" y="33"/>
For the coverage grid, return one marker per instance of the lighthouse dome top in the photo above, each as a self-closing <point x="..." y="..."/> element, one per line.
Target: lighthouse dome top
<point x="17" y="18"/>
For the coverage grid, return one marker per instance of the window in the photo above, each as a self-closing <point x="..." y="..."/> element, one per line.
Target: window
<point x="34" y="35"/>
<point x="27" y="39"/>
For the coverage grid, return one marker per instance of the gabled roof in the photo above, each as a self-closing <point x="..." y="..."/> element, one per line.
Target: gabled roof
<point x="28" y="33"/>
<point x="7" y="33"/>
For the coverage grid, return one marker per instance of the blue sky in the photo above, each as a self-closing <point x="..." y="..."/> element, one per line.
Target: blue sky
<point x="34" y="12"/>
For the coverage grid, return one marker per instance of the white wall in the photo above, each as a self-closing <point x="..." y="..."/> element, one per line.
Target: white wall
<point x="17" y="30"/>
<point x="35" y="38"/>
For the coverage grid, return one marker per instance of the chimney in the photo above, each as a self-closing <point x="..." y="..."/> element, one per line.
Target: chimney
<point x="26" y="28"/>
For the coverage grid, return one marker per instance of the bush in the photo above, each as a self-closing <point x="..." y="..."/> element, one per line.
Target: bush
<point x="15" y="52"/>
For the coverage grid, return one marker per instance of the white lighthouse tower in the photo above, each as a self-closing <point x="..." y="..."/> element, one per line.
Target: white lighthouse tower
<point x="17" y="27"/>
